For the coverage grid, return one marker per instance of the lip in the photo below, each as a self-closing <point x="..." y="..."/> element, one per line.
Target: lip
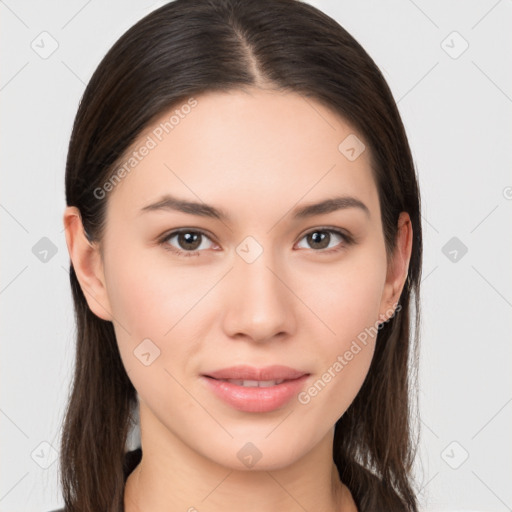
<point x="256" y="399"/>
<point x="245" y="372"/>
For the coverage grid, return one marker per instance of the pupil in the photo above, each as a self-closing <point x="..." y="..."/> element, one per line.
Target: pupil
<point x="190" y="238"/>
<point x="319" y="237"/>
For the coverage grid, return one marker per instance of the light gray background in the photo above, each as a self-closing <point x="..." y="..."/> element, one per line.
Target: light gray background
<point x="457" y="111"/>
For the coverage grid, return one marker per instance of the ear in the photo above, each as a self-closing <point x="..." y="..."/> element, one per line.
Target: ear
<point x="87" y="263"/>
<point x="398" y="268"/>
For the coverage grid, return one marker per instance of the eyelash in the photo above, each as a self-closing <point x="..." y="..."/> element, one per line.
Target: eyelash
<point x="347" y="240"/>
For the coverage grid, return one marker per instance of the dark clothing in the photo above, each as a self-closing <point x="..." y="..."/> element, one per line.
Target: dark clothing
<point x="131" y="460"/>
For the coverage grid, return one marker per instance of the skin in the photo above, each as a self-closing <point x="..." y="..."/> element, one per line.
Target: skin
<point x="257" y="155"/>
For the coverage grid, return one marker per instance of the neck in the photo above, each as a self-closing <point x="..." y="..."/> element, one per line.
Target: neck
<point x="172" y="476"/>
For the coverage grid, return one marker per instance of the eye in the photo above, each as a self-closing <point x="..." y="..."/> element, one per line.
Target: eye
<point x="188" y="239"/>
<point x="190" y="242"/>
<point x="321" y="238"/>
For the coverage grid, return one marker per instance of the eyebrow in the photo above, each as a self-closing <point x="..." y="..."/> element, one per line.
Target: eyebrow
<point x="171" y="203"/>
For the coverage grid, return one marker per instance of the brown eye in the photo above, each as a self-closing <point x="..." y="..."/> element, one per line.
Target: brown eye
<point x="322" y="239"/>
<point x="188" y="242"/>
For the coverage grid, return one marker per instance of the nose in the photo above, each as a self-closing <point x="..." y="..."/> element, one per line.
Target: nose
<point x="260" y="304"/>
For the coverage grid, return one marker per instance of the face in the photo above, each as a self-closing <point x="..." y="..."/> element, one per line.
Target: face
<point x="248" y="280"/>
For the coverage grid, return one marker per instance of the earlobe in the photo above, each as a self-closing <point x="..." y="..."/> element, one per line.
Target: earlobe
<point x="398" y="268"/>
<point x="87" y="263"/>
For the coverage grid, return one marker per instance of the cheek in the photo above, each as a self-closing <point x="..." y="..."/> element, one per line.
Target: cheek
<point x="348" y="304"/>
<point x="156" y="312"/>
<point x="347" y="297"/>
<point x="146" y="299"/>
<point x="141" y="315"/>
<point x="134" y="300"/>
<point x="344" y="359"/>
<point x="153" y="330"/>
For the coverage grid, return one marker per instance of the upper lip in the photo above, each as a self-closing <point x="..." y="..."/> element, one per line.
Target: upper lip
<point x="244" y="372"/>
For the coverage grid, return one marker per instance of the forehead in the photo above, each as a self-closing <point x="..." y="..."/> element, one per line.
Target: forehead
<point x="266" y="149"/>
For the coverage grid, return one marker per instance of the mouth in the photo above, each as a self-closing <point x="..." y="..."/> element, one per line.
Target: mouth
<point x="252" y="383"/>
<point x="273" y="374"/>
<point x="256" y="394"/>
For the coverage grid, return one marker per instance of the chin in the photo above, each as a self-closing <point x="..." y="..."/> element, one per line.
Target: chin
<point x="257" y="455"/>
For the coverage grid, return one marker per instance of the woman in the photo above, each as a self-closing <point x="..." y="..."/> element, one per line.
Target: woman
<point x="243" y="224"/>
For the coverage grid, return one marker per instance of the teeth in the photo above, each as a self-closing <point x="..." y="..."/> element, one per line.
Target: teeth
<point x="254" y="383"/>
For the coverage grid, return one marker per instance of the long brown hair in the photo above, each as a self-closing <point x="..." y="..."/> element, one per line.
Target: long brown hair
<point x="183" y="49"/>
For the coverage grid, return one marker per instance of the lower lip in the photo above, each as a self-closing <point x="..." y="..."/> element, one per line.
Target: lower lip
<point x="256" y="399"/>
